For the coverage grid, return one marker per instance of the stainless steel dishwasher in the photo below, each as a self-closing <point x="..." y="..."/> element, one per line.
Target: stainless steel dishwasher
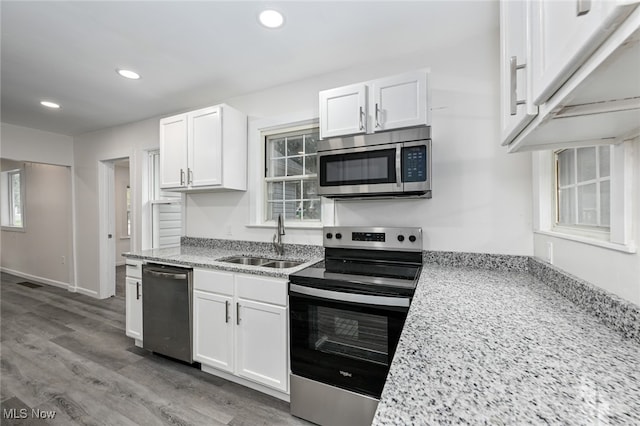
<point x="167" y="320"/>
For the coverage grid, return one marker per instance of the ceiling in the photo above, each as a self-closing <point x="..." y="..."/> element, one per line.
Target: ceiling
<point x="193" y="54"/>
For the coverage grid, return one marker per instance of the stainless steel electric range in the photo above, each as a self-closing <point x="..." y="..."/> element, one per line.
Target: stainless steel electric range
<point x="346" y="316"/>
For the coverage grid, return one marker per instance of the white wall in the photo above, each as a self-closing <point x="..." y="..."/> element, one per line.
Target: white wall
<point x="24" y="144"/>
<point x="123" y="241"/>
<point x="127" y="141"/>
<point x="37" y="252"/>
<point x="481" y="195"/>
<point x="614" y="271"/>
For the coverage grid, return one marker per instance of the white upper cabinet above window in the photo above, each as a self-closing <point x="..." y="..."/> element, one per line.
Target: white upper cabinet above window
<point x="579" y="80"/>
<point x="204" y="150"/>
<point x="383" y="104"/>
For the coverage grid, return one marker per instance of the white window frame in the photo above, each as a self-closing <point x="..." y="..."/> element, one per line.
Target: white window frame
<point x="8" y="223"/>
<point x="620" y="236"/>
<point x="257" y="155"/>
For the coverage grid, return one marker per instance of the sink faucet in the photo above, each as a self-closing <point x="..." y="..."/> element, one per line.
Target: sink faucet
<point x="277" y="238"/>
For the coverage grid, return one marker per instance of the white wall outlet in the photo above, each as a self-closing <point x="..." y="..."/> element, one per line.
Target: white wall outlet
<point x="229" y="233"/>
<point x="63" y="260"/>
<point x="550" y="252"/>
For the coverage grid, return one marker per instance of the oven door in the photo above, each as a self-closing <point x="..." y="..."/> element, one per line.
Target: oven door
<point x="362" y="170"/>
<point x="343" y="339"/>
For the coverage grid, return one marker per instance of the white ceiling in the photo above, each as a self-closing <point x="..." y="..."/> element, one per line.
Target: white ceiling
<point x="192" y="54"/>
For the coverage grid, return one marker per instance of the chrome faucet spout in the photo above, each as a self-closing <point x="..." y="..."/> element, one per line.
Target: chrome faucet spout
<point x="278" y="245"/>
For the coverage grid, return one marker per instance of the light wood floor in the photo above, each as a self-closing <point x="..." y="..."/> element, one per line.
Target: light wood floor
<point x="68" y="353"/>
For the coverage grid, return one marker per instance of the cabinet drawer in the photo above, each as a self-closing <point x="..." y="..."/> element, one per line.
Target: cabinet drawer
<point x="134" y="268"/>
<point x="262" y="289"/>
<point x="213" y="281"/>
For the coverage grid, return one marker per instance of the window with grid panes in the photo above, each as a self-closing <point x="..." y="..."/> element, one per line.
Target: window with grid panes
<point x="291" y="176"/>
<point x="583" y="187"/>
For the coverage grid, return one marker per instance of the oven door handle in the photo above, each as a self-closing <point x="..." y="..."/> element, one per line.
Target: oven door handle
<point x="364" y="299"/>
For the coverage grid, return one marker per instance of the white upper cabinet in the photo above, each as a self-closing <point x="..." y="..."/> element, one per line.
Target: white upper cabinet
<point x="576" y="73"/>
<point x="343" y="111"/>
<point x="565" y="34"/>
<point x="383" y="104"/>
<point x="400" y="101"/>
<point x="204" y="150"/>
<point x="517" y="107"/>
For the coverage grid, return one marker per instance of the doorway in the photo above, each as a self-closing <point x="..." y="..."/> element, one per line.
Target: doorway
<point x="116" y="224"/>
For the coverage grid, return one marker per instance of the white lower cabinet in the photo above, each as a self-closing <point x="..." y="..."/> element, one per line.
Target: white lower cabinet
<point x="133" y="301"/>
<point x="240" y="326"/>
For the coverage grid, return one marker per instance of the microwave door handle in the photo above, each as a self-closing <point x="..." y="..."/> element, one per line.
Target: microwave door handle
<point x="364" y="299"/>
<point x="399" y="166"/>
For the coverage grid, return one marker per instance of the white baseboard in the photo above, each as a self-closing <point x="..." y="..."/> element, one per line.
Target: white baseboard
<point x="36" y="278"/>
<point x="86" y="292"/>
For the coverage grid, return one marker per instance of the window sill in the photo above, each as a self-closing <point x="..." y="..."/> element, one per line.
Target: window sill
<point x="594" y="241"/>
<point x="13" y="229"/>
<point x="288" y="225"/>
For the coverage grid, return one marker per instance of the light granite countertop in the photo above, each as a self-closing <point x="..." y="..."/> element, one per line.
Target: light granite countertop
<point x="498" y="347"/>
<point x="211" y="257"/>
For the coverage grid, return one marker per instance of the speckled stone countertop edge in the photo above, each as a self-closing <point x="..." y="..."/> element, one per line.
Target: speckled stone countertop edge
<point x="617" y="313"/>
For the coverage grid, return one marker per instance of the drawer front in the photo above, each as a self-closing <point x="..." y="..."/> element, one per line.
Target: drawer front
<point x="134" y="268"/>
<point x="262" y="289"/>
<point x="213" y="281"/>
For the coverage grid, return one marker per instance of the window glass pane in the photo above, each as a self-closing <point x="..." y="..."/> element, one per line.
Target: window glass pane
<point x="586" y="163"/>
<point x="587" y="205"/>
<point x="605" y="160"/>
<point x="291" y="210"/>
<point x="274" y="209"/>
<point x="605" y="203"/>
<point x="16" y="201"/>
<point x="311" y="143"/>
<point x="311" y="164"/>
<point x="294" y="146"/>
<point x="277" y="148"/>
<point x="275" y="191"/>
<point x="292" y="190"/>
<point x="566" y="206"/>
<point x="294" y="166"/>
<point x="566" y="167"/>
<point x="277" y="168"/>
<point x="311" y="209"/>
<point x="310" y="189"/>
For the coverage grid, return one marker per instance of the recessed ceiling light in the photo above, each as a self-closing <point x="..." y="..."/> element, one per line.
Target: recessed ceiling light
<point x="271" y="18"/>
<point x="49" y="104"/>
<point x="128" y="74"/>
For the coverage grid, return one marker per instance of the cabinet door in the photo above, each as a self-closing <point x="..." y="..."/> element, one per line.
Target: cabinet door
<point x="262" y="346"/>
<point x="173" y="152"/>
<point x="133" y="308"/>
<point x="565" y="34"/>
<point x="516" y="105"/>
<point x="400" y="101"/>
<point x="213" y="330"/>
<point x="343" y="111"/>
<point x="205" y="147"/>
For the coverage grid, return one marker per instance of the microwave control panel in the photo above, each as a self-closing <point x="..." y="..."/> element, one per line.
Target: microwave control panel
<point x="414" y="163"/>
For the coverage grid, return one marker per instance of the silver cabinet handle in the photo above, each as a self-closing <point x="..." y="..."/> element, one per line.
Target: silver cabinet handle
<point x="181" y="177"/>
<point x="583" y="7"/>
<point x="513" y="67"/>
<point x="361" y="120"/>
<point x="237" y="313"/>
<point x="138" y="290"/>
<point x="399" y="166"/>
<point x="189" y="177"/>
<point x="377" y="116"/>
<point x="133" y="265"/>
<point x="226" y="311"/>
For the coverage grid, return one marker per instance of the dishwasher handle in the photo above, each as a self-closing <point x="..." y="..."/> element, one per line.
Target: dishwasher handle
<point x="169" y="275"/>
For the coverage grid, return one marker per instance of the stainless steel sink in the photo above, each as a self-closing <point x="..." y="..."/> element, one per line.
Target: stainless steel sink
<point x="262" y="261"/>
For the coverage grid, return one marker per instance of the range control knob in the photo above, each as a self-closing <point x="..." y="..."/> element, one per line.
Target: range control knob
<point x="412" y="238"/>
<point x="338" y="235"/>
<point x="329" y="235"/>
<point x="401" y="238"/>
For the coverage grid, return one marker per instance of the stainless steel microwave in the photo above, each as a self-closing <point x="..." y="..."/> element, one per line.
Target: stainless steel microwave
<point x="380" y="165"/>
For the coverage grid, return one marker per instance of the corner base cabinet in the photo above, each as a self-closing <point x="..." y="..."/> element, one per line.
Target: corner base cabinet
<point x="240" y="326"/>
<point x="204" y="150"/>
<point x="133" y="301"/>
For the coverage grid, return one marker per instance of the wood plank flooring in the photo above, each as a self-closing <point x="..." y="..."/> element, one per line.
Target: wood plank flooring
<point x="67" y="353"/>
